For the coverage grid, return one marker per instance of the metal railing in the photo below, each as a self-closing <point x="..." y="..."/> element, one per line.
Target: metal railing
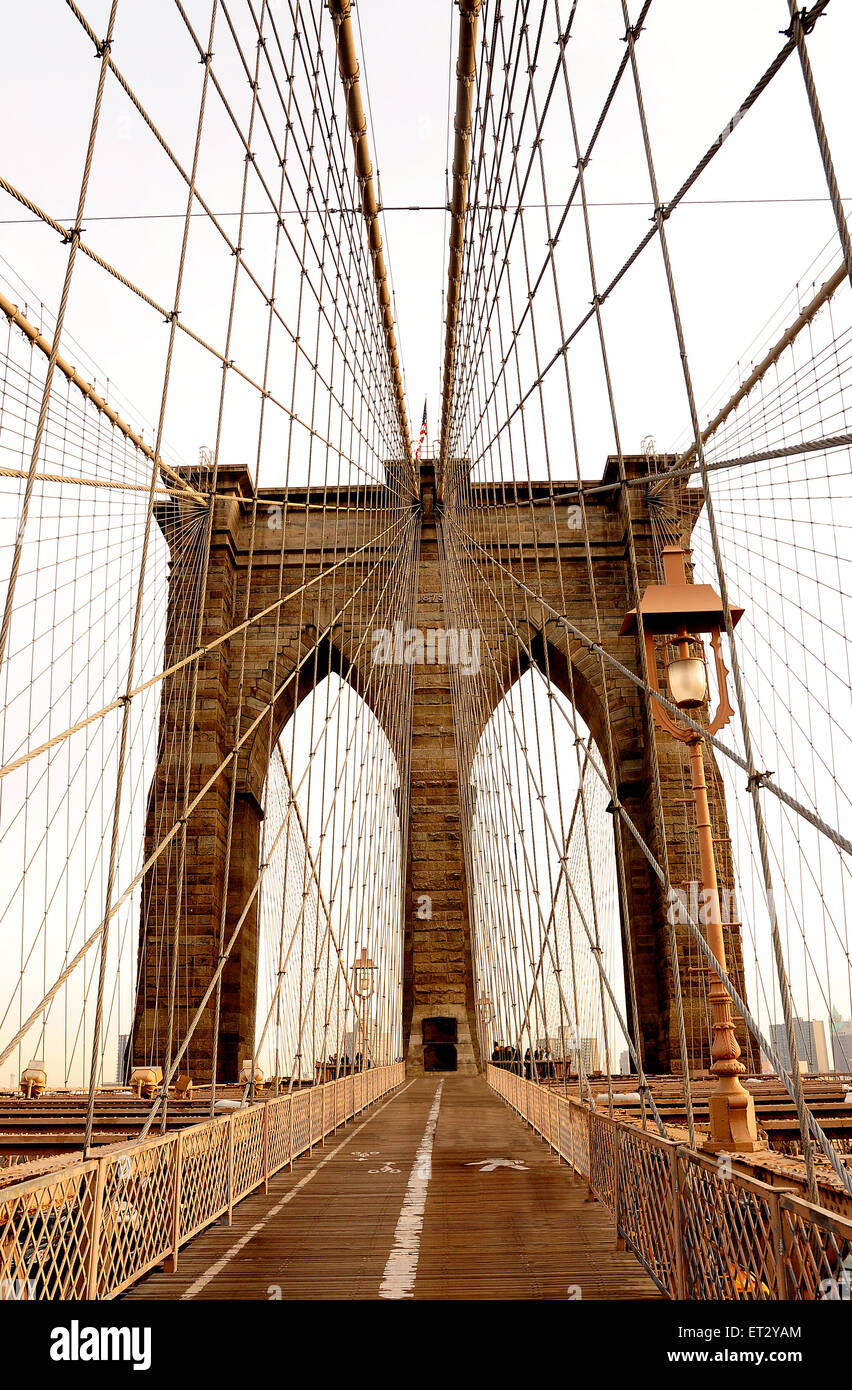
<point x="90" y="1230"/>
<point x="701" y="1230"/>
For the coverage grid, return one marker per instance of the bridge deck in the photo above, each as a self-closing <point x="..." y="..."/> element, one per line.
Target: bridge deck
<point x="346" y="1223"/>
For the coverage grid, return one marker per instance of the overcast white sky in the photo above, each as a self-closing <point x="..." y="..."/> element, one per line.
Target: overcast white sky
<point x="734" y="260"/>
<point x="753" y="228"/>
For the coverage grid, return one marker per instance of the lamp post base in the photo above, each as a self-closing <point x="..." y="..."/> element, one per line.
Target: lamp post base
<point x="733" y="1124"/>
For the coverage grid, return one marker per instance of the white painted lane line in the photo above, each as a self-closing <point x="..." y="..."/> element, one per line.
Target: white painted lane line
<point x="488" y="1165"/>
<point x="401" y="1268"/>
<point x="204" y="1279"/>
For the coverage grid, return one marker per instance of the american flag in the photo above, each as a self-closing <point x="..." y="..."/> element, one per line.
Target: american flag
<point x="424" y="430"/>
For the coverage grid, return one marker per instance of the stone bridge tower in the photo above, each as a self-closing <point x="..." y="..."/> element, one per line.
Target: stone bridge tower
<point x="438" y="975"/>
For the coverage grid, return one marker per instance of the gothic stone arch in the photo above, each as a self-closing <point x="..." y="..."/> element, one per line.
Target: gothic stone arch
<point x="543" y="546"/>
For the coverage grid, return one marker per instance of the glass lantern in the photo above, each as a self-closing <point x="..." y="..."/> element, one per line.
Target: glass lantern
<point x="686" y="671"/>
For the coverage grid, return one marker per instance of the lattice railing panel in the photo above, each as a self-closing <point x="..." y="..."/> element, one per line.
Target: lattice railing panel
<point x="531" y="1109"/>
<point x="728" y="1236"/>
<point x="603" y="1159"/>
<point x="142" y="1202"/>
<point x="701" y="1231"/>
<point x="562" y="1128"/>
<point x="317" y="1115"/>
<point x="204" y="1184"/>
<point x="301" y="1121"/>
<point x="818" y="1248"/>
<point x="536" y="1115"/>
<point x="45" y="1236"/>
<point x="279" y="1133"/>
<point x="580" y="1140"/>
<point x="647" y="1214"/>
<point x="137" y="1216"/>
<point x="248" y="1150"/>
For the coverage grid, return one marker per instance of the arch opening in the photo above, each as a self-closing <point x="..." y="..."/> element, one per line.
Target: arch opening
<point x="330" y="915"/>
<point x="544" y="888"/>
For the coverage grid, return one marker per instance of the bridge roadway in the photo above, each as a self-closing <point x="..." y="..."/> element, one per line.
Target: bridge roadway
<point x="404" y="1204"/>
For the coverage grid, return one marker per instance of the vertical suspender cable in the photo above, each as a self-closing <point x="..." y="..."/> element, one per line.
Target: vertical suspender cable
<point x="350" y="74"/>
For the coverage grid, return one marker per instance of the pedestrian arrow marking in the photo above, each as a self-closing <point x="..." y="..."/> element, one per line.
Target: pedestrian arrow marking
<point x="487" y="1165"/>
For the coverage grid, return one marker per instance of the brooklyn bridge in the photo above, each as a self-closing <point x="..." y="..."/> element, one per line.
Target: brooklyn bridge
<point x="426" y="851"/>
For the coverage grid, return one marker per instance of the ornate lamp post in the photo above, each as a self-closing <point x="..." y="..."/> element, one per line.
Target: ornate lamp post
<point x="677" y="611"/>
<point x="364" y="985"/>
<point x="485" y="1009"/>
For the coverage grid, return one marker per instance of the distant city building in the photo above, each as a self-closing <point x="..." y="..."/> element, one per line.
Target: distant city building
<point x="122" y="1069"/>
<point x="841" y="1039"/>
<point x="809" y="1034"/>
<point x="625" y="1066"/>
<point x="353" y="1042"/>
<point x="565" y="1045"/>
<point x="823" y="1060"/>
<point x="383" y="1048"/>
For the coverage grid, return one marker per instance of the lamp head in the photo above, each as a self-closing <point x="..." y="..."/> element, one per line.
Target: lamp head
<point x="676" y="604"/>
<point x="687" y="676"/>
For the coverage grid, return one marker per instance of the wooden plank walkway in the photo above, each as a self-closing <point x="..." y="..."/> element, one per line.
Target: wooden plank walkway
<point x="404" y="1203"/>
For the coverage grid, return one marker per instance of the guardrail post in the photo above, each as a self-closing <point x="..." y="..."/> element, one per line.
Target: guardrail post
<point x="310" y="1120"/>
<point x="619" y="1238"/>
<point x="95" y="1236"/>
<point x="779" y="1247"/>
<point x="590" y="1141"/>
<point x="265" y="1146"/>
<point x="571" y="1129"/>
<point x="171" y="1262"/>
<point x="231" y="1119"/>
<point x="677" y="1223"/>
<point x="291" y="1130"/>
